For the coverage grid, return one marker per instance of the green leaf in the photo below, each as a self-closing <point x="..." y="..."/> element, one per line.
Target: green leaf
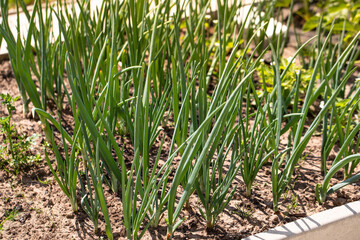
<point x="282" y="3"/>
<point x="312" y="23"/>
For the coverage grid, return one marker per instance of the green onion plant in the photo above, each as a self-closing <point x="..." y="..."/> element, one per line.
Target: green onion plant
<point x="140" y="72"/>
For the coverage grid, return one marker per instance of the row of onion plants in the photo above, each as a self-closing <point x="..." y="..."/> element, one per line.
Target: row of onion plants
<point x="135" y="69"/>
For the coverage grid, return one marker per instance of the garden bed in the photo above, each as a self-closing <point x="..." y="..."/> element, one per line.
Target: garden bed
<point x="150" y="122"/>
<point x="44" y="212"/>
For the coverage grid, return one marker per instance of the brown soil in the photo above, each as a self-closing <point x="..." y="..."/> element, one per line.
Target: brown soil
<point x="44" y="212"/>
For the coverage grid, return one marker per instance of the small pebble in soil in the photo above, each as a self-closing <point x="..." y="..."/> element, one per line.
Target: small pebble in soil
<point x="20" y="195"/>
<point x="24" y="217"/>
<point x="274" y="219"/>
<point x="122" y="232"/>
<point x="269" y="204"/>
<point x="237" y="197"/>
<point x="18" y="207"/>
<point x="49" y="203"/>
<point x="192" y="223"/>
<point x="70" y="215"/>
<point x="339" y="201"/>
<point x="67" y="223"/>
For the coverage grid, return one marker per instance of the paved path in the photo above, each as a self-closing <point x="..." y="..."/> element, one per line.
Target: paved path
<point x="24" y="24"/>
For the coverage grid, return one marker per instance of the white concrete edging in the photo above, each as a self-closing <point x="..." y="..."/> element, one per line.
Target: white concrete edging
<point x="338" y="223"/>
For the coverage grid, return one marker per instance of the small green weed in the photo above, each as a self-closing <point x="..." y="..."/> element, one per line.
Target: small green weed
<point x="290" y="196"/>
<point x="293" y="204"/>
<point x="266" y="75"/>
<point x="14" y="151"/>
<point x="45" y="182"/>
<point x="289" y="190"/>
<point x="37" y="210"/>
<point x="344" y="14"/>
<point x="244" y="212"/>
<point x="9" y="215"/>
<point x="5" y="199"/>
